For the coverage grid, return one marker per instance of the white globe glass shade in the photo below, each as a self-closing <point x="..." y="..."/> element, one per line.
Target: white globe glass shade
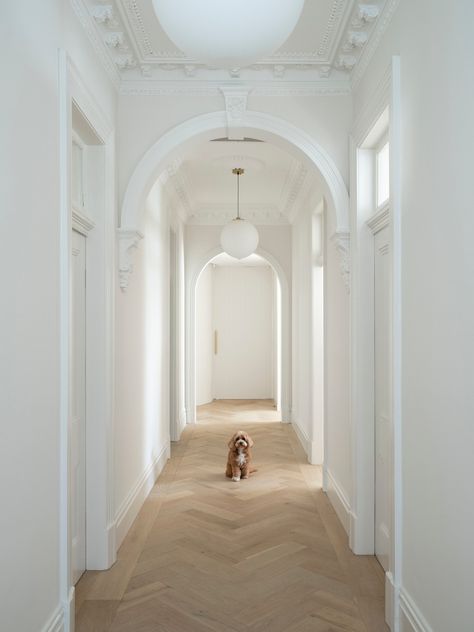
<point x="239" y="239"/>
<point x="227" y="34"/>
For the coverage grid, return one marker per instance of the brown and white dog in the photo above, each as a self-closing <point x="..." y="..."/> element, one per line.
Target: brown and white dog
<point x="238" y="460"/>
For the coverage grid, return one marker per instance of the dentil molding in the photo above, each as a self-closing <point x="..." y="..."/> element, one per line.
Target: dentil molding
<point x="123" y="41"/>
<point x="341" y="241"/>
<point x="128" y="240"/>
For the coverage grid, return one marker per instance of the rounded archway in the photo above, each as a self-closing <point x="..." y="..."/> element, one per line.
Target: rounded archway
<point x="285" y="343"/>
<point x="214" y="125"/>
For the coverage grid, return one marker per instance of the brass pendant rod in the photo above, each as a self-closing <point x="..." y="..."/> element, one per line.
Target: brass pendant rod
<point x="238" y="172"/>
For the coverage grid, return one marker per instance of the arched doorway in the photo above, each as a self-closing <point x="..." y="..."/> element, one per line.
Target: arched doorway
<point x="285" y="342"/>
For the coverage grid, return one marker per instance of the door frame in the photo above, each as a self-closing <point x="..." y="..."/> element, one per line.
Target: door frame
<point x="191" y="284"/>
<point x="100" y="319"/>
<point x="386" y="98"/>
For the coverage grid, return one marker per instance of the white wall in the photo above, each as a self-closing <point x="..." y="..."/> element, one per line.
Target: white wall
<point x="308" y="329"/>
<point x="32" y="33"/>
<point x="204" y="337"/>
<point x="243" y="319"/>
<point x="437" y="102"/>
<point x="338" y="429"/>
<point x="326" y="119"/>
<point x="142" y="431"/>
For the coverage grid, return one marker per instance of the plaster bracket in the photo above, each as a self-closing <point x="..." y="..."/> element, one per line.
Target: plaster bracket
<point x="341" y="241"/>
<point x="128" y="240"/>
<point x="236" y="108"/>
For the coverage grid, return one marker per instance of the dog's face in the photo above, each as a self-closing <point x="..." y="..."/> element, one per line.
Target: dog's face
<point x="241" y="440"/>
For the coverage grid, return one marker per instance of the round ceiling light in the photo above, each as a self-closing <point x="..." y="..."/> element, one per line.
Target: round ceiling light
<point x="227" y="35"/>
<point x="239" y="239"/>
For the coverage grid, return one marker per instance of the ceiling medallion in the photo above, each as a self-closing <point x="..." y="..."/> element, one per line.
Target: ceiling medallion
<point x="227" y="35"/>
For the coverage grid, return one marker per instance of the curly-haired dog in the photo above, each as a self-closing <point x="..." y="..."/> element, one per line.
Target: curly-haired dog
<point x="238" y="460"/>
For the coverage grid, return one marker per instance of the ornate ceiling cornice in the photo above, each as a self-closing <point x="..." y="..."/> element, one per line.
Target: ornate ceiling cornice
<point x="119" y="35"/>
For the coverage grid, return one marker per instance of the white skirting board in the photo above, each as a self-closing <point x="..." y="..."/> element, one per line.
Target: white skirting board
<point x="339" y="501"/>
<point x="55" y="622"/>
<point x="310" y="447"/>
<point x="411" y="617"/>
<point x="135" y="499"/>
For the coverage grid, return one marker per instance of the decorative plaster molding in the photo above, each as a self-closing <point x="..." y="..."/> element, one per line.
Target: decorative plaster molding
<point x="381" y="27"/>
<point x="365" y="14"/>
<point x="195" y="89"/>
<point x="334" y="18"/>
<point x="174" y="176"/>
<point x="413" y="613"/>
<point x="341" y="241"/>
<point x="292" y="189"/>
<point x="221" y="214"/>
<point x="128" y="240"/>
<point x="138" y="27"/>
<point x="81" y="222"/>
<point x="236" y="107"/>
<point x="92" y="32"/>
<point x="379" y="220"/>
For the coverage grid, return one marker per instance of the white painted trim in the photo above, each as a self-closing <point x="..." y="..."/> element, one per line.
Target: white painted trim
<point x="207" y="126"/>
<point x="413" y="614"/>
<point x="191" y="284"/>
<point x="100" y="356"/>
<point x="132" y="504"/>
<point x="212" y="88"/>
<point x="362" y="327"/>
<point x="339" y="501"/>
<point x="55" y="622"/>
<point x="311" y="448"/>
<point x="380" y="220"/>
<point x="396" y="342"/>
<point x="81" y="222"/>
<point x="64" y="330"/>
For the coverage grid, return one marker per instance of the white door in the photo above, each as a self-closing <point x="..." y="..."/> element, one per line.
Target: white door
<point x="243" y="321"/>
<point x="78" y="406"/>
<point x="382" y="397"/>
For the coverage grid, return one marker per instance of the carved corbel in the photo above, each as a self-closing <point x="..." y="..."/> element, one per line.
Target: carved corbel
<point x="236" y="108"/>
<point x="341" y="241"/>
<point x="128" y="241"/>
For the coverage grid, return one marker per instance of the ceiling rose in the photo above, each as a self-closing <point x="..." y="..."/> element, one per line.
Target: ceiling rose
<point x="224" y="34"/>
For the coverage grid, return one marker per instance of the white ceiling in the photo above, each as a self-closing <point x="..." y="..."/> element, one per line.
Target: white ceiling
<point x="328" y="42"/>
<point x="271" y="190"/>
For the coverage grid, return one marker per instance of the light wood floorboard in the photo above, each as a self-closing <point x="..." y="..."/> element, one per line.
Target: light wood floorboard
<point x="207" y="554"/>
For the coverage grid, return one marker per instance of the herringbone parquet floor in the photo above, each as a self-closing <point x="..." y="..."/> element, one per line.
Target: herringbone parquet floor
<point x="207" y="554"/>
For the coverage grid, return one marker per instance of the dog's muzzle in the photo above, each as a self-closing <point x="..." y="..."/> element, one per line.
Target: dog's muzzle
<point x="241" y="442"/>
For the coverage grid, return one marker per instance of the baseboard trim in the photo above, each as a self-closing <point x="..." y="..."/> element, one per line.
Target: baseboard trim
<point x="391" y="602"/>
<point x="413" y="615"/>
<point x="302" y="437"/>
<point x="132" y="504"/>
<point x="339" y="501"/>
<point x="55" y="622"/>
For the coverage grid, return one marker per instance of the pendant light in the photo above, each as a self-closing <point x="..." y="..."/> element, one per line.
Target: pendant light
<point x="224" y="34"/>
<point x="239" y="239"/>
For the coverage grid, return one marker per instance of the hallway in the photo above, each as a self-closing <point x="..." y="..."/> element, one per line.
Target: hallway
<point x="207" y="554"/>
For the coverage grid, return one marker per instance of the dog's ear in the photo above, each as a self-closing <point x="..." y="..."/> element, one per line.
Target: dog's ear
<point x="249" y="440"/>
<point x="232" y="441"/>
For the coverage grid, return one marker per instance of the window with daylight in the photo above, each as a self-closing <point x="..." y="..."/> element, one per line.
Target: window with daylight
<point x="383" y="174"/>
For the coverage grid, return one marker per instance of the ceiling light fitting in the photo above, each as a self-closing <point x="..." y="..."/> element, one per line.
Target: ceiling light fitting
<point x="225" y="35"/>
<point x="239" y="239"/>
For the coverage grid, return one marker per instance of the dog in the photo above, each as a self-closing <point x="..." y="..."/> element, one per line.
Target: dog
<point x="239" y="458"/>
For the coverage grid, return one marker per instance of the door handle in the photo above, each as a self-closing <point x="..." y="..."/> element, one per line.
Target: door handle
<point x="216" y="342"/>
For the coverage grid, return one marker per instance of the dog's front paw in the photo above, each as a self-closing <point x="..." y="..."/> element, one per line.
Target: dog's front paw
<point x="236" y="479"/>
